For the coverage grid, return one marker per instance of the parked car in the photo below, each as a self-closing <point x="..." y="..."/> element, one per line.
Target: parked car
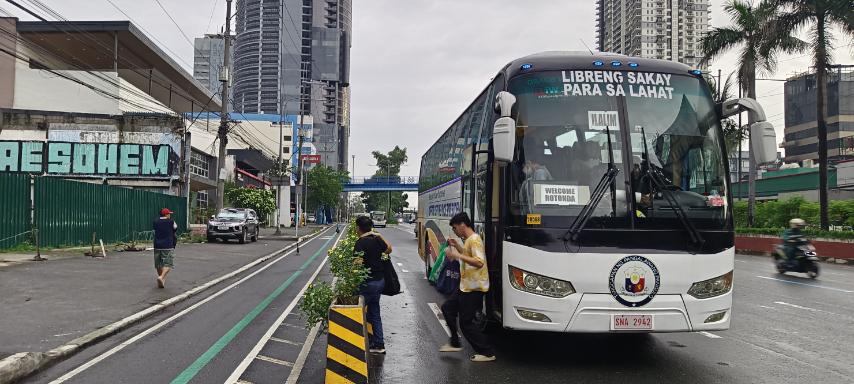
<point x="234" y="223"/>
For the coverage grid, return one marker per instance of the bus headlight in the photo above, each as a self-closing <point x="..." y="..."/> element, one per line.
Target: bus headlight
<point x="538" y="284"/>
<point x="712" y="287"/>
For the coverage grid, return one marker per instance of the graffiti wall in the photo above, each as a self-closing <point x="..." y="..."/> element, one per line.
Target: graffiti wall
<point x="88" y="159"/>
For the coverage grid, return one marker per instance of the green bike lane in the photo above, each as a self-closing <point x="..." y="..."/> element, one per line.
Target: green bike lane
<point x="204" y="340"/>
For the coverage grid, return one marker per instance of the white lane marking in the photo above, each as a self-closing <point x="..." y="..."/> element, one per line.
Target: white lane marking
<point x="710" y="335"/>
<point x="254" y="353"/>
<point x="283" y="341"/>
<point x="438" y="312"/>
<point x="274" y="360"/>
<point x="808" y="285"/>
<point x="740" y="261"/>
<point x="159" y="325"/>
<point x="766" y="307"/>
<point x="797" y="306"/>
<point x="303" y="355"/>
<point x="399" y="264"/>
<point x="244" y="382"/>
<point x="808" y="308"/>
<point x="404" y="271"/>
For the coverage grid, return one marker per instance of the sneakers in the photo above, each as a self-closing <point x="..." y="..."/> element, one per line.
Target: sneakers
<point x="481" y="358"/>
<point x="450" y="348"/>
<point x="379" y="351"/>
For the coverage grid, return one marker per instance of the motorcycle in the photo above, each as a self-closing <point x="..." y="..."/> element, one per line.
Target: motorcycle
<point x="806" y="260"/>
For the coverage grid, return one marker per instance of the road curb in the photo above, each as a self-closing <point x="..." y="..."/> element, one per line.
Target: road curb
<point x="23" y="364"/>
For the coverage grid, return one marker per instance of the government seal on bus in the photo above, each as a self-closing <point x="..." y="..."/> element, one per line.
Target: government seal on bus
<point x="634" y="281"/>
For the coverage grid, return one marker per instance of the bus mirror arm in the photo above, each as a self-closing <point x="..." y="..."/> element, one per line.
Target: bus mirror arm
<point x="765" y="138"/>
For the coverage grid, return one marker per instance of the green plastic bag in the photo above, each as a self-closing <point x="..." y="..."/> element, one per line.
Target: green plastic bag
<point x="435" y="270"/>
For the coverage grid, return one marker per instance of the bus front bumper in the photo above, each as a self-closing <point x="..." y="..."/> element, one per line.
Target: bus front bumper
<point x="595" y="313"/>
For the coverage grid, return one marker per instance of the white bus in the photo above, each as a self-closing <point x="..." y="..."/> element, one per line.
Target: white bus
<point x="599" y="184"/>
<point x="378" y="218"/>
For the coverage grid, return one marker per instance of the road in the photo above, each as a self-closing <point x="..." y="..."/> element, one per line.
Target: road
<point x="246" y="328"/>
<point x="785" y="329"/>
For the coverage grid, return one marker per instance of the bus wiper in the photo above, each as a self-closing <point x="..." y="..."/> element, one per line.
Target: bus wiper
<point x="605" y="182"/>
<point x="696" y="237"/>
<point x="581" y="220"/>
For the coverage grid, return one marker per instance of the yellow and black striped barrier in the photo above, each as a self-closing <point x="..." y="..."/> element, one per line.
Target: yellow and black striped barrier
<point x="347" y="345"/>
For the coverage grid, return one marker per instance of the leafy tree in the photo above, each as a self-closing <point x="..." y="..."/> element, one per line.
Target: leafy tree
<point x="263" y="201"/>
<point x="325" y="185"/>
<point x="820" y="16"/>
<point x="388" y="167"/>
<point x="759" y="48"/>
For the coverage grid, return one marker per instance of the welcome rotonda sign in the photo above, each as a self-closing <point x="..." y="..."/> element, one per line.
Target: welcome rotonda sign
<point x="87" y="159"/>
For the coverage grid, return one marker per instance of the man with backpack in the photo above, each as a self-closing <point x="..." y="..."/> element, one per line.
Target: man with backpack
<point x="165" y="240"/>
<point x="374" y="249"/>
<point x="465" y="302"/>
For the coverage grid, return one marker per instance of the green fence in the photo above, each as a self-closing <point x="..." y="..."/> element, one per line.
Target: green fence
<point x="69" y="212"/>
<point x="14" y="209"/>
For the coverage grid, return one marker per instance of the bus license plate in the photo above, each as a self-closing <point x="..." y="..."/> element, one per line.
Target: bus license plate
<point x="631" y="322"/>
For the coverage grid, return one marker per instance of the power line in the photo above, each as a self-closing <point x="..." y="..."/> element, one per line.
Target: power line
<point x="116" y="60"/>
<point x="149" y="33"/>
<point x="96" y="75"/>
<point x="210" y="19"/>
<point x="173" y="21"/>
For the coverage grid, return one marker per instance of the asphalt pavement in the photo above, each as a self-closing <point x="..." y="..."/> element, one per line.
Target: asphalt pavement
<point x="785" y="329"/>
<point x="247" y="326"/>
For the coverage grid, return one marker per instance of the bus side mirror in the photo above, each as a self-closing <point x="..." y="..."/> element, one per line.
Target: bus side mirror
<point x="764" y="138"/>
<point x="503" y="139"/>
<point x="764" y="142"/>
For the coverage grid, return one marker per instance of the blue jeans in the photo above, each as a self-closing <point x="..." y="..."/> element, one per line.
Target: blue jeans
<point x="372" y="290"/>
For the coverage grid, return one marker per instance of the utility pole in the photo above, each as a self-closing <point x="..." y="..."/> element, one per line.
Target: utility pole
<point x="222" y="134"/>
<point x="300" y="133"/>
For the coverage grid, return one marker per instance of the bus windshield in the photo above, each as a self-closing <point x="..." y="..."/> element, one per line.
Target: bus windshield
<point x="378" y="216"/>
<point x="659" y="130"/>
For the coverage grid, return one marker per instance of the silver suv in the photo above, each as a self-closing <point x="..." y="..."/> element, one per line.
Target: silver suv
<point x="234" y="223"/>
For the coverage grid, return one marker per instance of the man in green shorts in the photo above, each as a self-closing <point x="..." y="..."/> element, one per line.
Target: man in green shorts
<point x="165" y="240"/>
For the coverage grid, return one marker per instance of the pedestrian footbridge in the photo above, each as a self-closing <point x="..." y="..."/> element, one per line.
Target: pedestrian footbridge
<point x="381" y="184"/>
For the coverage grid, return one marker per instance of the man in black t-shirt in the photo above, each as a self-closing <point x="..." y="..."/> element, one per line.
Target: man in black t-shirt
<point x="373" y="247"/>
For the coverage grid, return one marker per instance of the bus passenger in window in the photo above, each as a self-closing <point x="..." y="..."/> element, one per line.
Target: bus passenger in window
<point x="533" y="171"/>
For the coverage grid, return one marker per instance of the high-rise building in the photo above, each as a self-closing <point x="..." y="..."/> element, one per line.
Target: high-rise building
<point x="293" y="48"/>
<point x="207" y="61"/>
<point x="801" y="126"/>
<point x="656" y="29"/>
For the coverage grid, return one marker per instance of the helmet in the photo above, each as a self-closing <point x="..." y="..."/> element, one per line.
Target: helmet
<point x="797" y="223"/>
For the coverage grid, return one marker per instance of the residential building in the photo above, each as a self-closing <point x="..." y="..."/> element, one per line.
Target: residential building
<point x="288" y="49"/>
<point x="207" y="61"/>
<point x="801" y="127"/>
<point x="96" y="101"/>
<point x="656" y="29"/>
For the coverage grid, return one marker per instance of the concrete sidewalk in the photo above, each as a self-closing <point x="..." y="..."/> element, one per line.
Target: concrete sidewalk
<point x="46" y="304"/>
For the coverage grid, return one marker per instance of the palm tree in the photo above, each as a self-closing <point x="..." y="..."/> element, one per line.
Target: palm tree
<point x="733" y="134"/>
<point x="820" y="16"/>
<point x="758" y="51"/>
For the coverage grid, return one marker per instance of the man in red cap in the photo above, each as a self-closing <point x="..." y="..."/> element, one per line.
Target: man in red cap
<point x="165" y="240"/>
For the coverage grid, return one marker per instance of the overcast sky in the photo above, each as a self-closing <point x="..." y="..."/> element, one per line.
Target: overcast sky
<point x="416" y="64"/>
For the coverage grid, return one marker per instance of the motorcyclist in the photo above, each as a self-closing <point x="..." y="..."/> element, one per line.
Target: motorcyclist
<point x="792" y="238"/>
